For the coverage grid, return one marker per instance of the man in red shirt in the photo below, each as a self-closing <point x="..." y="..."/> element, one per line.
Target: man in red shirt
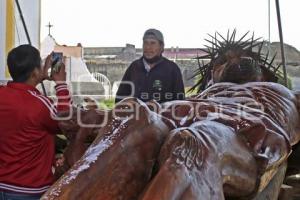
<point x="28" y="125"/>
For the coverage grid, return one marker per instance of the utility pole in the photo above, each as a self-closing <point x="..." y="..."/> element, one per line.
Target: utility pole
<point x="269" y="24"/>
<point x="281" y="42"/>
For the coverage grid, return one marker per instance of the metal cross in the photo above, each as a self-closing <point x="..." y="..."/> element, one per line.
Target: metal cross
<point x="49" y="27"/>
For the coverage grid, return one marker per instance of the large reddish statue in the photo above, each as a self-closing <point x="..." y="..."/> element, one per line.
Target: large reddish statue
<point x="228" y="141"/>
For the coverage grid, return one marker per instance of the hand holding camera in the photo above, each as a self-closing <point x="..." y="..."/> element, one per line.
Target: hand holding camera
<point x="55" y="68"/>
<point x="57" y="61"/>
<point x="58" y="72"/>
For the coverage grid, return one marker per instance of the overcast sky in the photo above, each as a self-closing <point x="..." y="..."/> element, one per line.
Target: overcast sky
<point x="184" y="23"/>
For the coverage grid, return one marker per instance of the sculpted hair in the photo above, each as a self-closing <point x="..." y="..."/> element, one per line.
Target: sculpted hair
<point x="21" y="61"/>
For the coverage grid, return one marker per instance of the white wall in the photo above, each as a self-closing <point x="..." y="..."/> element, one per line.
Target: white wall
<point x="32" y="16"/>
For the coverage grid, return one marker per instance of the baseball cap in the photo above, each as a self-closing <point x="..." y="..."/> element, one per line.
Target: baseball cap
<point x="154" y="34"/>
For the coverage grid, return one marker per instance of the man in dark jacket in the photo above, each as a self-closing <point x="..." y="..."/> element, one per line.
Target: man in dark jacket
<point x="152" y="76"/>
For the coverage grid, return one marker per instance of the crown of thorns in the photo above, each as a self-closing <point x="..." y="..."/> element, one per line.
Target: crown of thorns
<point x="220" y="46"/>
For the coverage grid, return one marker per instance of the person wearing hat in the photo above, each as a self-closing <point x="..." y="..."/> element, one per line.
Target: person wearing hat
<point x="152" y="76"/>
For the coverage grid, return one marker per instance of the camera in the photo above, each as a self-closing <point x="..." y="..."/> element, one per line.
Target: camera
<point x="57" y="59"/>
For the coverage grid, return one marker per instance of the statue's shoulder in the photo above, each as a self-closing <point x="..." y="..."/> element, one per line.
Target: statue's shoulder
<point x="277" y="88"/>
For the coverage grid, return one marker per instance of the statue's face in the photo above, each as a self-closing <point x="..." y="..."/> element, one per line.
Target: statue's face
<point x="235" y="67"/>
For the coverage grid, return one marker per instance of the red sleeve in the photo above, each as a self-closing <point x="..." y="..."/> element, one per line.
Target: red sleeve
<point x="52" y="113"/>
<point x="63" y="98"/>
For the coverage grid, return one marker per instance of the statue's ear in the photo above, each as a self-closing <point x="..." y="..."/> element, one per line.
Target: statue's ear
<point x="268" y="75"/>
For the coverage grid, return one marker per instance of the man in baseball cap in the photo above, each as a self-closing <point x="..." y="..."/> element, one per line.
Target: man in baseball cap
<point x="152" y="76"/>
<point x="154" y="34"/>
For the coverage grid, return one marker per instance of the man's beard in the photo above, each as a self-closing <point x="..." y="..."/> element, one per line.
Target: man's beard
<point x="153" y="60"/>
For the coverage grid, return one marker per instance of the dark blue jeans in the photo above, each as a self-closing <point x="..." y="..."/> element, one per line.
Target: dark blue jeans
<point x="16" y="196"/>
